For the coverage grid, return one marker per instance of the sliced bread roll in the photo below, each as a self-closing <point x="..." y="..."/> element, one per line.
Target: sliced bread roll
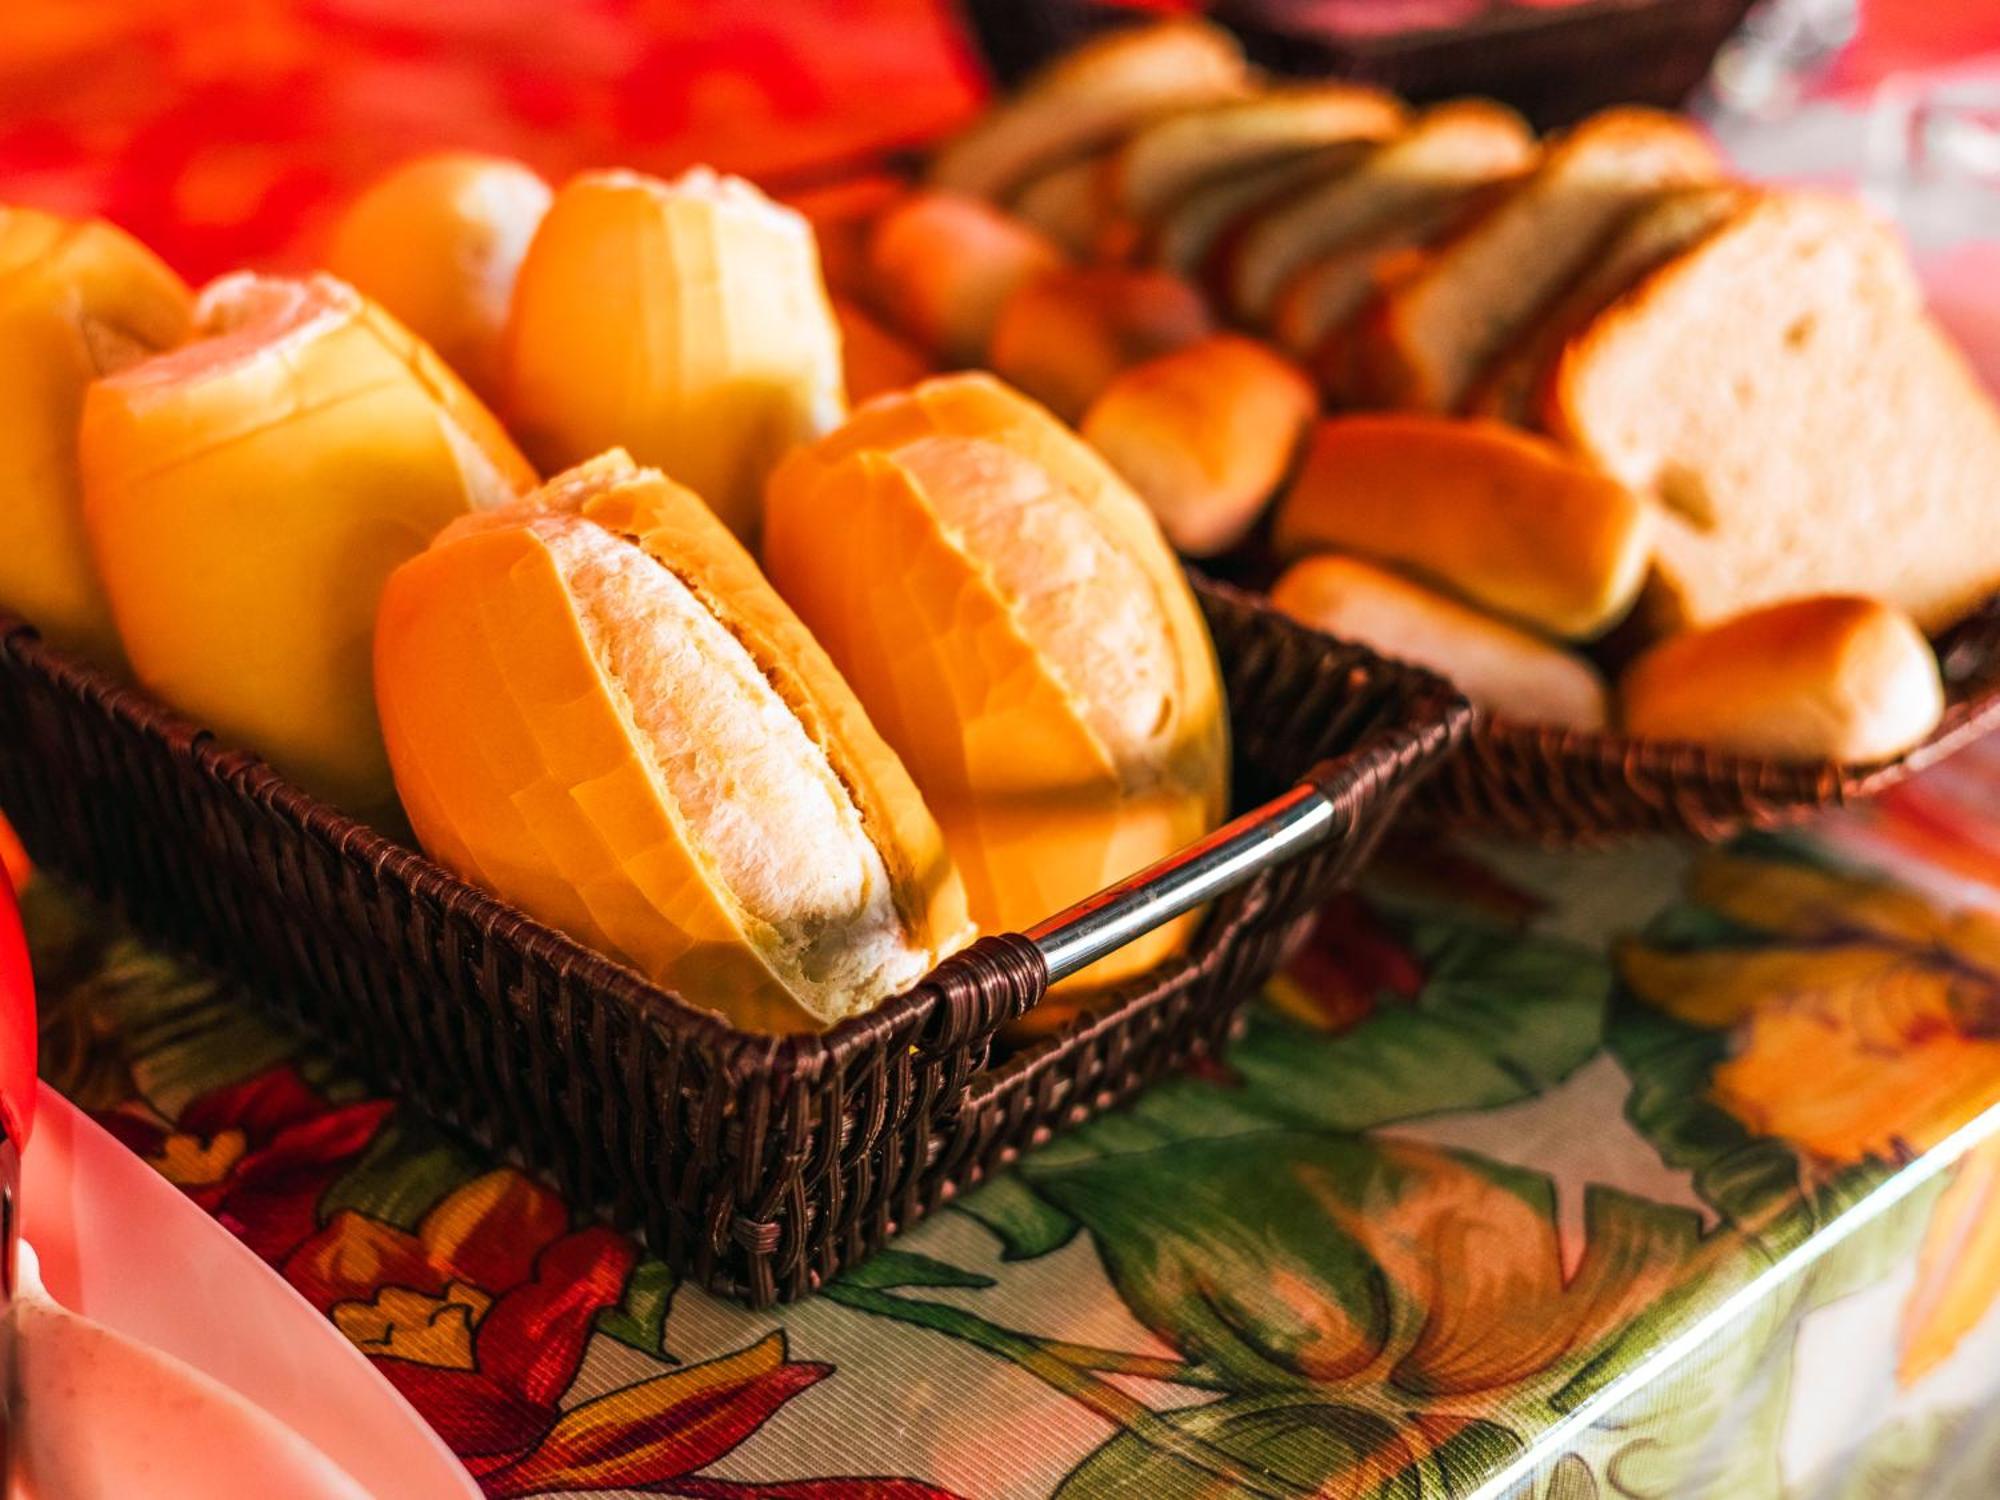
<point x="1659" y="230"/>
<point x="1446" y="150"/>
<point x="1502" y="518"/>
<point x="1829" y="678"/>
<point x="1501" y="668"/>
<point x="1009" y="613"/>
<point x="1088" y="98"/>
<point x="1429" y="338"/>
<point x="596" y="706"/>
<point x="1160" y="163"/>
<point x="1807" y="425"/>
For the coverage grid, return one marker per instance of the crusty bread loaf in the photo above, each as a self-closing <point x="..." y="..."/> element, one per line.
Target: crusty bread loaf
<point x="1500" y="667"/>
<point x="1650" y="236"/>
<point x="1088" y="98"/>
<point x="596" y="706"/>
<point x="1834" y="677"/>
<point x="1445" y="151"/>
<point x="1428" y="339"/>
<point x="941" y="265"/>
<point x="1204" y="434"/>
<point x="1063" y="335"/>
<point x="1009" y="613"/>
<point x="1807" y="425"/>
<point x="1501" y="517"/>
<point x="1161" y="162"/>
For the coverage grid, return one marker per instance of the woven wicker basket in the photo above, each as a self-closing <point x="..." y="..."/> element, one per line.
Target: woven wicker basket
<point x="756" y="1166"/>
<point x="1565" y="789"/>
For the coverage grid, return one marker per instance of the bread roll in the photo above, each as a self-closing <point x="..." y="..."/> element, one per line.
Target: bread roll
<point x="77" y="300"/>
<point x="597" y="707"/>
<point x="1835" y="677"/>
<point x="1063" y="335"/>
<point x="1089" y="97"/>
<point x="1205" y="435"/>
<point x="941" y="266"/>
<point x="1193" y="235"/>
<point x="1808" y="426"/>
<point x="1007" y="610"/>
<point x="248" y="494"/>
<point x="1505" y="519"/>
<point x="1071" y="204"/>
<point x="438" y="242"/>
<point x="872" y="359"/>
<point x="684" y="321"/>
<point x="1501" y="668"/>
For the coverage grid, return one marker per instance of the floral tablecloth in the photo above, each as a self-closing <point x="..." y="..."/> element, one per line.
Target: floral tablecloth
<point x="1656" y="1173"/>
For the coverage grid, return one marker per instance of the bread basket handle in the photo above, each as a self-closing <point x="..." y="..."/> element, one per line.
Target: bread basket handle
<point x="1261" y="839"/>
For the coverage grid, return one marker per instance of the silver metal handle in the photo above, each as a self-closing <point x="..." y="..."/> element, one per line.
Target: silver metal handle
<point x="1266" y="836"/>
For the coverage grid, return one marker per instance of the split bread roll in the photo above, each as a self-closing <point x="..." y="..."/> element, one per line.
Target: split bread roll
<point x="685" y="321"/>
<point x="1808" y="427"/>
<point x="1086" y="99"/>
<point x="1064" y="335"/>
<point x="942" y="265"/>
<point x="1009" y="613"/>
<point x="1830" y="678"/>
<point x="1503" y="518"/>
<point x="248" y="494"/>
<point x="1206" y="435"/>
<point x="1501" y="668"/>
<point x="1431" y="335"/>
<point x="438" y="243"/>
<point x="597" y="707"/>
<point x="78" y="299"/>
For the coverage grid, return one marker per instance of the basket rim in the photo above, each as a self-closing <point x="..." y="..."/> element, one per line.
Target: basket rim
<point x="1970" y="644"/>
<point x="1430" y="724"/>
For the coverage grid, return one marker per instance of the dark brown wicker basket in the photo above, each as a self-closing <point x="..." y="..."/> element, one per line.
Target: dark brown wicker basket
<point x="757" y="1166"/>
<point x="1554" y="64"/>
<point x="1565" y="789"/>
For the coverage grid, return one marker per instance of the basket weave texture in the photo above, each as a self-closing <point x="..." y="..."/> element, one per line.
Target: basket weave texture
<point x="756" y="1166"/>
<point x="1567" y="789"/>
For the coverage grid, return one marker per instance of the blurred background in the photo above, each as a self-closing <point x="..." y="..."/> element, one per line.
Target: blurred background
<point x="224" y="132"/>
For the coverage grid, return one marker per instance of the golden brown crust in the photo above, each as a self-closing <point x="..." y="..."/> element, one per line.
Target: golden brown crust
<point x="1835" y="677"/>
<point x="1498" y="516"/>
<point x="1205" y="435"/>
<point x="1064" y="335"/>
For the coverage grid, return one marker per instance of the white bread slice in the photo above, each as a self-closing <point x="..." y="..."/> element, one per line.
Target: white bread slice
<point x="1161" y="162"/>
<point x="1324" y="296"/>
<point x="1086" y="99"/>
<point x="1810" y="429"/>
<point x="1651" y="236"/>
<point x="1195" y="230"/>
<point x="1446" y="150"/>
<point x="1428" y="340"/>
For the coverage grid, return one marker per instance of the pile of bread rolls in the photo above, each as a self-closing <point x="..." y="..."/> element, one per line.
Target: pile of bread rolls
<point x="1636" y="398"/>
<point x="972" y="688"/>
